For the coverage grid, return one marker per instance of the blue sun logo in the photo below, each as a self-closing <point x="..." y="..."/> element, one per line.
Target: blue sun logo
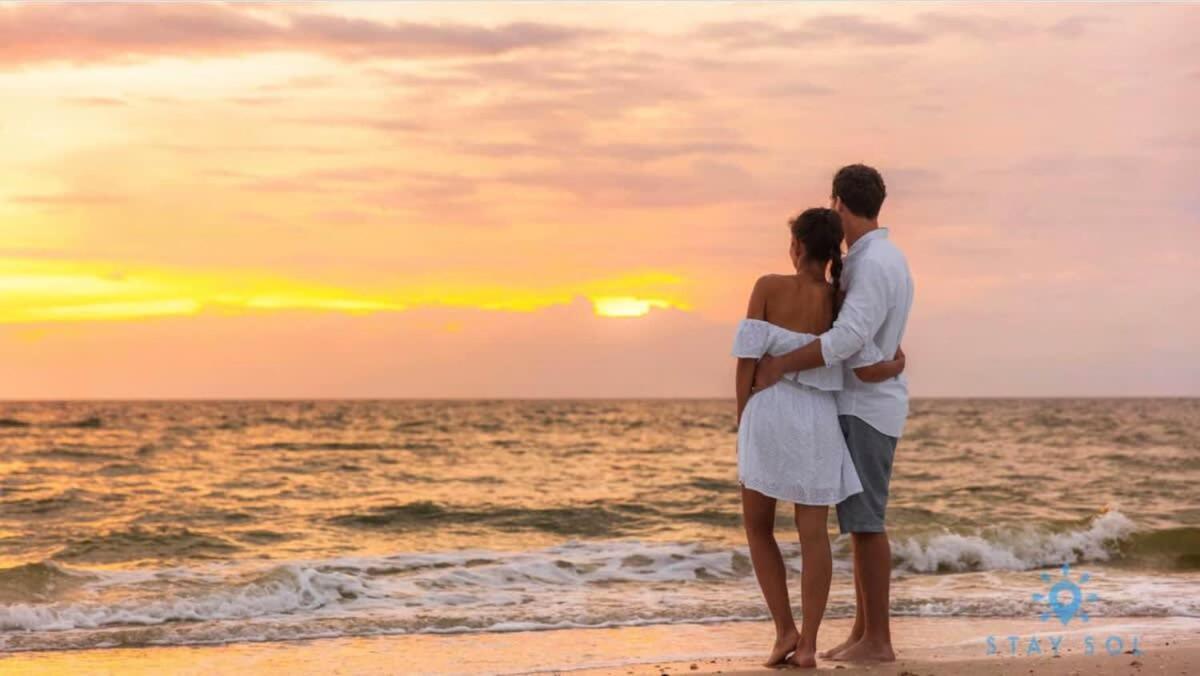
<point x="1065" y="597"/>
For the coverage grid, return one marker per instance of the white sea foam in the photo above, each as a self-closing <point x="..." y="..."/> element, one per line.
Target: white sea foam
<point x="577" y="584"/>
<point x="283" y="590"/>
<point x="1013" y="549"/>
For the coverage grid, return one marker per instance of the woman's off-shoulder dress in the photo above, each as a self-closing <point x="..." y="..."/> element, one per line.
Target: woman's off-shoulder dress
<point x="789" y="443"/>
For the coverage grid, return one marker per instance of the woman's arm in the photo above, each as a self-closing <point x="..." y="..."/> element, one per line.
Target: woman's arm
<point x="883" y="370"/>
<point x="742" y="382"/>
<point x="744" y="379"/>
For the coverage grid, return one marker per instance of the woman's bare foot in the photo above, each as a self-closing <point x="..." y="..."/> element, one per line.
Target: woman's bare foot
<point x="805" y="656"/>
<point x="867" y="651"/>
<point x="840" y="648"/>
<point x="784" y="644"/>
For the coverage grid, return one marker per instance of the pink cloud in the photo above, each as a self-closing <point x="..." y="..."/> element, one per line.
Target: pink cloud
<point x="77" y="33"/>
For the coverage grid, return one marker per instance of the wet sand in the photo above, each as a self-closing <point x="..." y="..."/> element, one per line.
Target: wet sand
<point x="925" y="646"/>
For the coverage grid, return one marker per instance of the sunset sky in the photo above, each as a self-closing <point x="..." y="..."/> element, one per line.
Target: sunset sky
<point x="541" y="200"/>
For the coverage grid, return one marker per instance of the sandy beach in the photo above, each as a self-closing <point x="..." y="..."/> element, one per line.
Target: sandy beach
<point x="925" y="646"/>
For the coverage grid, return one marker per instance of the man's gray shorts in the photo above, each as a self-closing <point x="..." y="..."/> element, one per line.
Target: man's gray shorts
<point x="872" y="452"/>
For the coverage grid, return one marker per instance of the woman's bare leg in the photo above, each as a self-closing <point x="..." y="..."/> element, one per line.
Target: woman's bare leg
<point x="758" y="517"/>
<point x="814" y="580"/>
<point x="856" y="632"/>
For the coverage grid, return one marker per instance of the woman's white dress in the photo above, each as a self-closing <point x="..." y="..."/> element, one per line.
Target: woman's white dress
<point x="790" y="445"/>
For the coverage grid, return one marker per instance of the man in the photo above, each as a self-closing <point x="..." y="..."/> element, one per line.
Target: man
<point x="879" y="295"/>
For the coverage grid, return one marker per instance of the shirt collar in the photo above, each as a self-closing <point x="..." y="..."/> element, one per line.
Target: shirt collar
<point x="861" y="242"/>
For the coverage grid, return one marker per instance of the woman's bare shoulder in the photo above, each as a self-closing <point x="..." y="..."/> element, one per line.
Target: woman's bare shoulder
<point x="772" y="281"/>
<point x="775" y="287"/>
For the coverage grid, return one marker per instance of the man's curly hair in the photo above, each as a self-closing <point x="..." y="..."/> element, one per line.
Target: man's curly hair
<point x="861" y="189"/>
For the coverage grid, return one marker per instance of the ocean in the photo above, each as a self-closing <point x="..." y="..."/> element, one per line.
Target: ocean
<point x="169" y="523"/>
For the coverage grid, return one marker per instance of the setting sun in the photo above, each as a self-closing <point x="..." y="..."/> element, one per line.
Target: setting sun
<point x="626" y="307"/>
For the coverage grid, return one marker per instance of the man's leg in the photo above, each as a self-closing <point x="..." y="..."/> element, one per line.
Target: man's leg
<point x="862" y="515"/>
<point x="873" y="557"/>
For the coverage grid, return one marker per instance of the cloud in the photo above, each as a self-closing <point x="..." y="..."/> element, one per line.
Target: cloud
<point x="817" y="30"/>
<point x="287" y="184"/>
<point x="202" y="148"/>
<point x="750" y="34"/>
<point x="706" y="182"/>
<point x="863" y="31"/>
<point x="630" y="152"/>
<point x="974" y="25"/>
<point x="1075" y="26"/>
<point x="358" y="38"/>
<point x="591" y="83"/>
<point x="376" y="123"/>
<point x="78" y="33"/>
<point x="424" y="192"/>
<point x="99" y="101"/>
<point x="789" y="90"/>
<point x="375" y="185"/>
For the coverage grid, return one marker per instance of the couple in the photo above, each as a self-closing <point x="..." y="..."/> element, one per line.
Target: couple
<point x="820" y="410"/>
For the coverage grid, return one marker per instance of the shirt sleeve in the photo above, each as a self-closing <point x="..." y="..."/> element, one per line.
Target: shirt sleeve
<point x="862" y="313"/>
<point x="869" y="354"/>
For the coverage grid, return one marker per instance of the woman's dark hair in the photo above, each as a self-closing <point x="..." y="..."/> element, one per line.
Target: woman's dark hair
<point x="820" y="230"/>
<point x="861" y="189"/>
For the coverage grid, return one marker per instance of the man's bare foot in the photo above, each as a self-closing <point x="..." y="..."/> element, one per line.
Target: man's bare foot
<point x="805" y="656"/>
<point x="832" y="653"/>
<point x="867" y="651"/>
<point x="784" y="644"/>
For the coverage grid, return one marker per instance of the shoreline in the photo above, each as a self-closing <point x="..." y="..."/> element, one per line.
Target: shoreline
<point x="924" y="646"/>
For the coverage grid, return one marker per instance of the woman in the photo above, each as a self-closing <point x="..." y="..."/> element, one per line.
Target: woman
<point x="790" y="446"/>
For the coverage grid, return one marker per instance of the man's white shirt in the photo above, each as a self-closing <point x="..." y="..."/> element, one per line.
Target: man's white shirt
<point x="879" y="296"/>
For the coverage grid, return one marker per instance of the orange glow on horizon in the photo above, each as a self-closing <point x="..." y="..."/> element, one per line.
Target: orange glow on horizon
<point x="40" y="291"/>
